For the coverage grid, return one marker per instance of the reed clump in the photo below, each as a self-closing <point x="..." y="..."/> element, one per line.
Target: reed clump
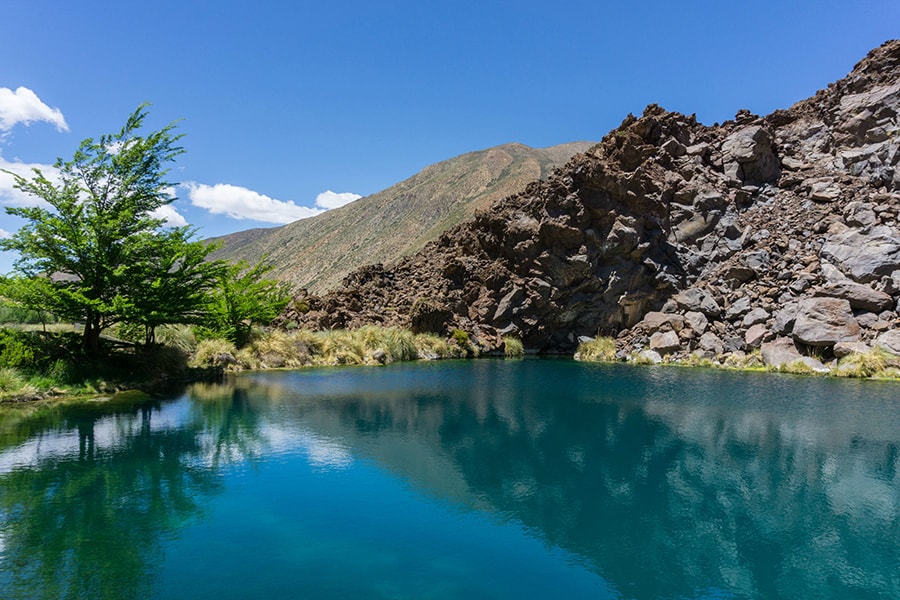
<point x="602" y="349"/>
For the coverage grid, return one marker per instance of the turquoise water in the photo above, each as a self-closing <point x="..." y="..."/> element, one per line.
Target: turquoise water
<point x="472" y="479"/>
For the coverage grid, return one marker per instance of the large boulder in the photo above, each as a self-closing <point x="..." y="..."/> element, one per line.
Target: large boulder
<point x="665" y="342"/>
<point x="865" y="257"/>
<point x="779" y="352"/>
<point x="747" y="156"/>
<point x="824" y="322"/>
<point x="695" y="299"/>
<point x="859" y="295"/>
<point x="782" y="352"/>
<point x="890" y="341"/>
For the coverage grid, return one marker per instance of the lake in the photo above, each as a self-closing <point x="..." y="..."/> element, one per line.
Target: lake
<point x="460" y="479"/>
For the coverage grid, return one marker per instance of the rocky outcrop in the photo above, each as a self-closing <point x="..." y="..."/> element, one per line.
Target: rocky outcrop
<point x="679" y="238"/>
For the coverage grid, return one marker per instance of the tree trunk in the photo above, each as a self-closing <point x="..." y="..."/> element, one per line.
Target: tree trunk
<point x="91" y="340"/>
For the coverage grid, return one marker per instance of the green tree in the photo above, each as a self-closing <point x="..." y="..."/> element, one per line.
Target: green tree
<point x="95" y="240"/>
<point x="175" y="280"/>
<point x="243" y="298"/>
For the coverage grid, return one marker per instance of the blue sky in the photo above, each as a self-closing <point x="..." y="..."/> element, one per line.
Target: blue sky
<point x="283" y="102"/>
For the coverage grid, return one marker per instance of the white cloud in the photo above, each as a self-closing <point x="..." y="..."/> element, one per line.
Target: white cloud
<point x="12" y="196"/>
<point x="171" y="216"/>
<point x="4" y="234"/>
<point x="329" y="199"/>
<point x="23" y="106"/>
<point x="241" y="203"/>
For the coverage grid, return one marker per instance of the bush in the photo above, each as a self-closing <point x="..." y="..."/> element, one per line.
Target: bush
<point x="513" y="347"/>
<point x="864" y="364"/>
<point x="17" y="348"/>
<point x="215" y="352"/>
<point x="432" y="347"/>
<point x="602" y="349"/>
<point x="11" y="380"/>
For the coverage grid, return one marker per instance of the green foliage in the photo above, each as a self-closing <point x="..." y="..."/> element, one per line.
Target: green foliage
<point x="11" y="380"/>
<point x="602" y="349"/>
<point x="513" y="347"/>
<point x="460" y="337"/>
<point x="698" y="360"/>
<point x="865" y="364"/>
<point x="244" y="297"/>
<point x="17" y="349"/>
<point x="94" y="252"/>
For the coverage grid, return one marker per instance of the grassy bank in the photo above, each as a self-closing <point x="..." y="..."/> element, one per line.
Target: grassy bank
<point x="38" y="364"/>
<point x="874" y="364"/>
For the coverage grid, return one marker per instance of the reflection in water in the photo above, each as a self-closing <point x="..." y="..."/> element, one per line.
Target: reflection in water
<point x="83" y="507"/>
<point x="666" y="482"/>
<point x="661" y="482"/>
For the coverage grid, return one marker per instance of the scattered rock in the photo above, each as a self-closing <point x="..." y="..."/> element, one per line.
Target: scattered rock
<point x="755" y="316"/>
<point x="649" y="356"/>
<point x="755" y="335"/>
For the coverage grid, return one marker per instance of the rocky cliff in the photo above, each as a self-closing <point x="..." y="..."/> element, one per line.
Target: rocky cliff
<point x="778" y="231"/>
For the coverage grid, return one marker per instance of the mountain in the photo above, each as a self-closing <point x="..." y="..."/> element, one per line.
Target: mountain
<point x="776" y="233"/>
<point x="317" y="253"/>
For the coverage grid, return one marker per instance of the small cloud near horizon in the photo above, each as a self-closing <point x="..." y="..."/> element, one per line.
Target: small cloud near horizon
<point x="4" y="234"/>
<point x="242" y="203"/>
<point x="329" y="199"/>
<point x="23" y="106"/>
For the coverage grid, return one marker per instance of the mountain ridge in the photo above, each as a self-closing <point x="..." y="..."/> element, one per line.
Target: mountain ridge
<point x="316" y="253"/>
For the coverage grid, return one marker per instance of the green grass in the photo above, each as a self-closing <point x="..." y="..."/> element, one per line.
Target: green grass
<point x="602" y="349"/>
<point x="513" y="347"/>
<point x="369" y="345"/>
<point x="875" y="363"/>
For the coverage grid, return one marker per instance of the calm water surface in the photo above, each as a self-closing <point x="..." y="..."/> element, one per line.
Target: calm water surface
<point x="478" y="479"/>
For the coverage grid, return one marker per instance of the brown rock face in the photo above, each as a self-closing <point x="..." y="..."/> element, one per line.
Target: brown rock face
<point x="731" y="235"/>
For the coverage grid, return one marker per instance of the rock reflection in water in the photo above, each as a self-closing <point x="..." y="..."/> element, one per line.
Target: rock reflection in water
<point x="665" y="481"/>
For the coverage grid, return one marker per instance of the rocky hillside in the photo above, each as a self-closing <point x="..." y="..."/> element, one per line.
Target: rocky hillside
<point x="317" y="253"/>
<point x="778" y="232"/>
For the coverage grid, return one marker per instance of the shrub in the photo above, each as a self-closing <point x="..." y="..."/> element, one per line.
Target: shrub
<point x="864" y="364"/>
<point x="279" y="349"/>
<point x="17" y="348"/>
<point x="602" y="349"/>
<point x="11" y="380"/>
<point x="796" y="367"/>
<point x="513" y="347"/>
<point x="432" y="347"/>
<point x="460" y="337"/>
<point x="214" y="352"/>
